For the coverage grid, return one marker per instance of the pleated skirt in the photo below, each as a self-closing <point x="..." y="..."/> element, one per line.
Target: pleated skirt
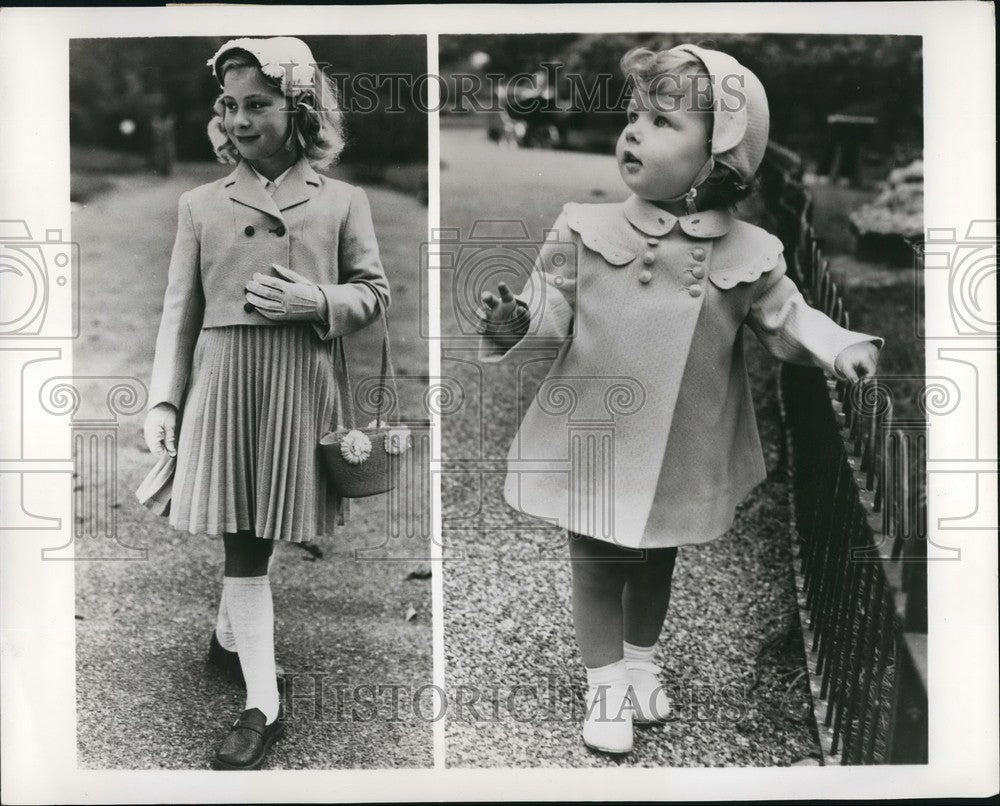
<point x="247" y="460"/>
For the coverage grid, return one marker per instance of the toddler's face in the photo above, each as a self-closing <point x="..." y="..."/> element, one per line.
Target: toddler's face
<point x="664" y="143"/>
<point x="253" y="117"/>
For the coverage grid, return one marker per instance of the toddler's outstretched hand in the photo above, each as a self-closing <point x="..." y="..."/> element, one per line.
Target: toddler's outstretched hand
<point x="502" y="319"/>
<point x="857" y="361"/>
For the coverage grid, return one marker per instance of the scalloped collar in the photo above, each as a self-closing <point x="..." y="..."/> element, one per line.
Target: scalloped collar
<point x="652" y="220"/>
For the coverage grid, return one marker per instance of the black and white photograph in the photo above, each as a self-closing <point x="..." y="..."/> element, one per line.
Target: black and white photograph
<point x="693" y="555"/>
<point x="480" y="402"/>
<point x="247" y="231"/>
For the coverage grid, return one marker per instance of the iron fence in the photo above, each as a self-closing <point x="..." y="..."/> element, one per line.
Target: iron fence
<point x="859" y="488"/>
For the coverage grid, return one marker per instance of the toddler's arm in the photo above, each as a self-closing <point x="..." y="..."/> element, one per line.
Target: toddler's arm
<point x="183" y="312"/>
<point x="546" y="305"/>
<point x="351" y="304"/>
<point x="793" y="331"/>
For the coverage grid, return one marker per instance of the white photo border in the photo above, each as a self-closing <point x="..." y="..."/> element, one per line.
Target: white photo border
<point x="37" y="599"/>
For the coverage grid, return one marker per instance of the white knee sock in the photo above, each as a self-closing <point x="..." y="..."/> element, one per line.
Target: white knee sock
<point x="223" y="626"/>
<point x="251" y="612"/>
<point x="638" y="653"/>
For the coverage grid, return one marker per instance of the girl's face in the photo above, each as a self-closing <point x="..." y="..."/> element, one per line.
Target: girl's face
<point x="253" y="117"/>
<point x="664" y="144"/>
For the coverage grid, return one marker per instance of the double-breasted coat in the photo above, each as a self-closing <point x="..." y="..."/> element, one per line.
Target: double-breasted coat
<point x="643" y="433"/>
<point x="254" y="407"/>
<point x="229" y="229"/>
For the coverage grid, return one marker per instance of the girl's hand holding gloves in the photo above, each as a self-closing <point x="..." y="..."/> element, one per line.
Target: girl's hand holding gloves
<point x="160" y="429"/>
<point x="289" y="297"/>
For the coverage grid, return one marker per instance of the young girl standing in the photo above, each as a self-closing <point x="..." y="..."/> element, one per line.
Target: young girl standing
<point x="269" y="264"/>
<point x="654" y="303"/>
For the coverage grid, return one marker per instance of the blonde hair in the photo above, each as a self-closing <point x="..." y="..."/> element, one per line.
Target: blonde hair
<point x="317" y="122"/>
<point x="645" y="67"/>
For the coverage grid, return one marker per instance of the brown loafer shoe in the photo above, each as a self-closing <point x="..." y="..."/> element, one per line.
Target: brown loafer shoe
<point x="247" y="743"/>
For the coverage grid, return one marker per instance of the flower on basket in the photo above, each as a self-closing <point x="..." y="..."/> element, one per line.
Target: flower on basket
<point x="355" y="447"/>
<point x="398" y="440"/>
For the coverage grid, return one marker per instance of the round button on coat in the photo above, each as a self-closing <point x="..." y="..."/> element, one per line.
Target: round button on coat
<point x="695" y="290"/>
<point x="248" y="230"/>
<point x="697" y="272"/>
<point x="645" y="276"/>
<point x="280" y="230"/>
<point x="698" y="253"/>
<point x="653" y="241"/>
<point x="648" y="258"/>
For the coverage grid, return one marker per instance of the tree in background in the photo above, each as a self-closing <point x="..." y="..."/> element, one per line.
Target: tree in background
<point x="116" y="80"/>
<point x="807" y="77"/>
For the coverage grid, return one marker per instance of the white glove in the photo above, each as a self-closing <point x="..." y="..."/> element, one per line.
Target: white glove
<point x="288" y="297"/>
<point x="160" y="429"/>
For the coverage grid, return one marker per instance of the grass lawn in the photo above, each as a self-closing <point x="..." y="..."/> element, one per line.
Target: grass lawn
<point x="408" y="178"/>
<point x="94" y="168"/>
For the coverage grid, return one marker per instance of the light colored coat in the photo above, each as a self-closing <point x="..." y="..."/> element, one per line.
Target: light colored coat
<point x="643" y="433"/>
<point x="229" y="229"/>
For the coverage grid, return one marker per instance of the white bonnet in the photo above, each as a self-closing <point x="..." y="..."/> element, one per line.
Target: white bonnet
<point x="740" y="127"/>
<point x="274" y="55"/>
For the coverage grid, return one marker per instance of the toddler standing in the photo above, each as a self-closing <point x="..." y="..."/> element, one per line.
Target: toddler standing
<point x="654" y="303"/>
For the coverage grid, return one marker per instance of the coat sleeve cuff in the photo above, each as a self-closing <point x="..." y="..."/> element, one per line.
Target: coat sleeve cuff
<point x="349" y="307"/>
<point x="325" y="328"/>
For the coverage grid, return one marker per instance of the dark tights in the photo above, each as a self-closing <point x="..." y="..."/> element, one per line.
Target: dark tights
<point x="246" y="555"/>
<point x="618" y="594"/>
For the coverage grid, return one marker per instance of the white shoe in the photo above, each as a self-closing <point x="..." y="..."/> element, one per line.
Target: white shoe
<point x="607" y="725"/>
<point x="650" y="703"/>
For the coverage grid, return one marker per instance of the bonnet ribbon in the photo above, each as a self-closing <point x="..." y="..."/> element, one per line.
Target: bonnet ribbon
<point x="689" y="197"/>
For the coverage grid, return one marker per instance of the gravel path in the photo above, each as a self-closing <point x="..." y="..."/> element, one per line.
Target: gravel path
<point x="731" y="647"/>
<point x="145" y="697"/>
